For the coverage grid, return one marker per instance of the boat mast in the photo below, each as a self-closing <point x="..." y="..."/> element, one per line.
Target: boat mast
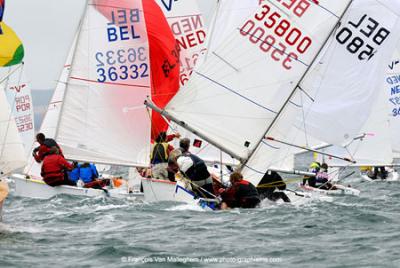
<point x="77" y="36"/>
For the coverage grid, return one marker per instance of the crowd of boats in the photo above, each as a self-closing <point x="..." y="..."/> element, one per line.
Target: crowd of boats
<point x="261" y="85"/>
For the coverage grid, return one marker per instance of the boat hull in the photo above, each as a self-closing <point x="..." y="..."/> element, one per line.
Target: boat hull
<point x="32" y="188"/>
<point x="340" y="190"/>
<point x="163" y="190"/>
<point x="392" y="177"/>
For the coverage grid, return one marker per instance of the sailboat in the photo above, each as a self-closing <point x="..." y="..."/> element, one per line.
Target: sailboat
<point x="229" y="101"/>
<point x="12" y="154"/>
<point x="187" y="25"/>
<point x="231" y="104"/>
<point x="334" y="109"/>
<point x="102" y="118"/>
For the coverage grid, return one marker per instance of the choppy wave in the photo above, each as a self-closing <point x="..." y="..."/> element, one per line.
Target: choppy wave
<point x="85" y="232"/>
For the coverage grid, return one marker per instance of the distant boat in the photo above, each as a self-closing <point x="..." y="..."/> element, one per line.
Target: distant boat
<point x="97" y="112"/>
<point x="12" y="153"/>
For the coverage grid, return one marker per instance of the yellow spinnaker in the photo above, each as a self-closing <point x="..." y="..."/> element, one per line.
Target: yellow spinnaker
<point x="11" y="48"/>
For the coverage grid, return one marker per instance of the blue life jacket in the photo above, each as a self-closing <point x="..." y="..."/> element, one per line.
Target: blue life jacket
<point x="74" y="174"/>
<point x="88" y="173"/>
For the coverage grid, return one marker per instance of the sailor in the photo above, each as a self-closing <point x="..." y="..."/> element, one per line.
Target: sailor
<point x="73" y="175"/>
<point x="40" y="152"/>
<point x="194" y="169"/>
<point x="184" y="145"/>
<point x="54" y="168"/>
<point x="379" y="171"/>
<point x="88" y="172"/>
<point x="314" y="168"/>
<point x="89" y="175"/>
<point x="322" y="178"/>
<point x="160" y="153"/>
<point x="270" y="182"/>
<point x="241" y="194"/>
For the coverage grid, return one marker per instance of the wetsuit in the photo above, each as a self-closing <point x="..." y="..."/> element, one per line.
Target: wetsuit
<point x="242" y="194"/>
<point x="196" y="170"/>
<point x="270" y="182"/>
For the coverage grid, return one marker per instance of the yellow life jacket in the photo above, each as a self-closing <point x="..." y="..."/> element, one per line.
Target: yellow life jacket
<point x="159" y="153"/>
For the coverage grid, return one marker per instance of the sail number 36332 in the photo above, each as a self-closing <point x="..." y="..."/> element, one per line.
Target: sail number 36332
<point x="121" y="64"/>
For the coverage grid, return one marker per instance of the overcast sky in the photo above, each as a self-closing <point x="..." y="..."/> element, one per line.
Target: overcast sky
<point x="46" y="28"/>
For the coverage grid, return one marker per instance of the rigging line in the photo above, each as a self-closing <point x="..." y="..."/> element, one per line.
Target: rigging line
<point x="236" y="93"/>
<point x="306" y="93"/>
<point x="301" y="79"/>
<point x="325" y="8"/>
<point x="10" y="73"/>
<point x="226" y="62"/>
<point x="295" y="104"/>
<point x="269" y="145"/>
<point x="304" y="119"/>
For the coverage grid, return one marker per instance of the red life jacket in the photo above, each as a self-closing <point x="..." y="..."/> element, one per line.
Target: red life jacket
<point x="53" y="169"/>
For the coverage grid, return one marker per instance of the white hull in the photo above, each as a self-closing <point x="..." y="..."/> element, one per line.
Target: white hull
<point x="163" y="190"/>
<point x="340" y="190"/>
<point x="392" y="176"/>
<point x="38" y="189"/>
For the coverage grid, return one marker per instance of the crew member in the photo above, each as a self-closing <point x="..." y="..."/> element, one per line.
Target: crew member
<point x="160" y="153"/>
<point x="195" y="170"/>
<point x="314" y="168"/>
<point x="270" y="182"/>
<point x="40" y="152"/>
<point x="242" y="194"/>
<point x="54" y="168"/>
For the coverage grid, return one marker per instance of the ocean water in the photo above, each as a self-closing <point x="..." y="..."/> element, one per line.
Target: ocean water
<point x="98" y="232"/>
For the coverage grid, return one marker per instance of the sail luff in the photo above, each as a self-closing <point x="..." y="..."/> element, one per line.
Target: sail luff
<point x="76" y="40"/>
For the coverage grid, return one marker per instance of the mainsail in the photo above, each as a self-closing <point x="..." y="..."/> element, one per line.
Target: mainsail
<point x="103" y="118"/>
<point x="12" y="154"/>
<point x="18" y="91"/>
<point x="392" y="90"/>
<point x="234" y="97"/>
<point x="344" y="79"/>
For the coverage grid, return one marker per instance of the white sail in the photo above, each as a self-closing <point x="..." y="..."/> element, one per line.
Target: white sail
<point x="340" y="86"/>
<point x="187" y="25"/>
<point x="373" y="146"/>
<point x="235" y="96"/>
<point x="19" y="97"/>
<point x="52" y="115"/>
<point x="103" y="118"/>
<point x="361" y="48"/>
<point x="392" y="89"/>
<point x="12" y="153"/>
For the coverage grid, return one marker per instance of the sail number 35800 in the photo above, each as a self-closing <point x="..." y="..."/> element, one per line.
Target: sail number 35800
<point x="282" y="29"/>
